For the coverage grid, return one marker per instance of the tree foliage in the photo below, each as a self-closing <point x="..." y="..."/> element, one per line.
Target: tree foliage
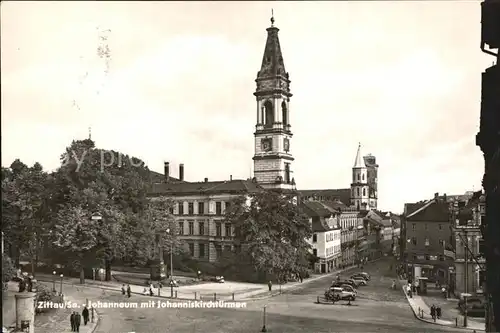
<point x="272" y="231"/>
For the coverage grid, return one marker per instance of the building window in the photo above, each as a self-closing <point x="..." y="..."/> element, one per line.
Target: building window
<point x="171" y="210"/>
<point x="287" y="173"/>
<point x="357" y="190"/>
<point x="227" y="248"/>
<point x="181" y="228"/>
<point x="181" y="208"/>
<point x="191" y="249"/>
<point x="315" y="252"/>
<point x="414" y="240"/>
<point x="482" y="277"/>
<point x="202" y="250"/>
<point x="440" y="226"/>
<point x="284" y="113"/>
<point x="218" y="229"/>
<point x="363" y="176"/>
<point x="482" y="248"/>
<point x="441" y="242"/>
<point x="218" y="208"/>
<point x="427" y="257"/>
<point x="201" y="227"/>
<point x="413" y="226"/>
<point x="190" y="208"/>
<point x="269" y="113"/>
<point x="364" y="191"/>
<point x="427" y="242"/>
<point x="358" y="177"/>
<point x="201" y="208"/>
<point x="228" y="206"/>
<point x="218" y="250"/>
<point x="315" y="238"/>
<point x="191" y="228"/>
<point x="228" y="230"/>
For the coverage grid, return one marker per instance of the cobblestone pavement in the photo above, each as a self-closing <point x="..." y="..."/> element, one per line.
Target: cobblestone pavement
<point x="287" y="313"/>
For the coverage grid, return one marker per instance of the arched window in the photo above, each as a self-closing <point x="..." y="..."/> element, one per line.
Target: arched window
<point x="268" y="105"/>
<point x="363" y="176"/>
<point x="364" y="192"/>
<point x="358" y="176"/>
<point x="284" y="113"/>
<point x="357" y="191"/>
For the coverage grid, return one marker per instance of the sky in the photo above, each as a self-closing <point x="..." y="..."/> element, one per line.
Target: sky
<point x="402" y="78"/>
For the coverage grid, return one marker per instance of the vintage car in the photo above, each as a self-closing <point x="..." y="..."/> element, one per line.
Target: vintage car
<point x="336" y="294"/>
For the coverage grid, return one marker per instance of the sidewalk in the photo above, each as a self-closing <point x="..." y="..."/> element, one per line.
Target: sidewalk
<point x="203" y="291"/>
<point x="422" y="312"/>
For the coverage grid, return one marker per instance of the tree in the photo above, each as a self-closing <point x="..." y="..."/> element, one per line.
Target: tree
<point x="273" y="231"/>
<point x="24" y="204"/>
<point x="8" y="269"/>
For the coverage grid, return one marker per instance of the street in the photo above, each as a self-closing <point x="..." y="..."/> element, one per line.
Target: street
<point x="377" y="309"/>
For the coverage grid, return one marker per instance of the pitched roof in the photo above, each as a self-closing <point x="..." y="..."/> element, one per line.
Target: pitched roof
<point x="336" y="205"/>
<point x="358" y="161"/>
<point x="157" y="177"/>
<point x="432" y="211"/>
<point x="272" y="61"/>
<point x="237" y="186"/>
<point x="343" y="194"/>
<point x="316" y="209"/>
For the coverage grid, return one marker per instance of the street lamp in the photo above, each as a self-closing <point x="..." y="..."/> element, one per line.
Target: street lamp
<point x="54" y="281"/>
<point x="264" y="321"/>
<point x="60" y="291"/>
<point x="171" y="263"/>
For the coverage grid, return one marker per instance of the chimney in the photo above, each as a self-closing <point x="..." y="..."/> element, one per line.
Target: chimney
<point x="181" y="172"/>
<point x="206" y="180"/>
<point x="436" y="195"/>
<point x="166" y="171"/>
<point x="231" y="177"/>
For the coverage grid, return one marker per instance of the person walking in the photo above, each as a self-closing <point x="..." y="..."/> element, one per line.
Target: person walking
<point x="433" y="312"/>
<point x="123" y="289"/>
<point x="129" y="291"/>
<point x="78" y="319"/>
<point x="270" y="285"/>
<point x="85" y="315"/>
<point x="72" y="321"/>
<point x="151" y="290"/>
<point x="438" y="312"/>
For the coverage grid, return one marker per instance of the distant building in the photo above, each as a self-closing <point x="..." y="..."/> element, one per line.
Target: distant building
<point x="364" y="182"/>
<point x="428" y="239"/>
<point x="327" y="195"/>
<point x="326" y="239"/>
<point x="199" y="209"/>
<point x="468" y="217"/>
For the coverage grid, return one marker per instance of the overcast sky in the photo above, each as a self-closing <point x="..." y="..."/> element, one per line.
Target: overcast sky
<point x="402" y="78"/>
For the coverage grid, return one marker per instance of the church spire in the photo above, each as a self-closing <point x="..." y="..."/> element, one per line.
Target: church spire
<point x="272" y="62"/>
<point x="358" y="162"/>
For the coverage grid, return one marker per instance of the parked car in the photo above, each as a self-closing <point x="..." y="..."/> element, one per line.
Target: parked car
<point x="337" y="294"/>
<point x="365" y="275"/>
<point x="359" y="276"/>
<point x="349" y="288"/>
<point x="350" y="282"/>
<point x="476" y="306"/>
<point x="359" y="281"/>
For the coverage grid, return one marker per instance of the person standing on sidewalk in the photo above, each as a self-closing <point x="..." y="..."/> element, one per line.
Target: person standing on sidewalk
<point x="78" y="320"/>
<point x="129" y="291"/>
<point x="123" y="290"/>
<point x="72" y="321"/>
<point x="270" y="285"/>
<point x="85" y="315"/>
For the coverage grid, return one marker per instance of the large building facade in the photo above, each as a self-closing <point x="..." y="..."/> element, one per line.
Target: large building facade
<point x="273" y="158"/>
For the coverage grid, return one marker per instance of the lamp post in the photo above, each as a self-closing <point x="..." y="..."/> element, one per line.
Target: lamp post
<point x="171" y="263"/>
<point x="60" y="290"/>
<point x="264" y="321"/>
<point x="54" y="281"/>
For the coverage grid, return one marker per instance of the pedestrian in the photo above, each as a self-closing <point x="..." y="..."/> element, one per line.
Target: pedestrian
<point x="85" y="315"/>
<point x="92" y="314"/>
<point x="145" y="291"/>
<point x="129" y="291"/>
<point x="72" y="321"/>
<point x="78" y="319"/>
<point x="270" y="285"/>
<point x="408" y="290"/>
<point x="300" y="277"/>
<point x="433" y="312"/>
<point x="438" y="312"/>
<point x="151" y="290"/>
<point x="393" y="284"/>
<point x="123" y="289"/>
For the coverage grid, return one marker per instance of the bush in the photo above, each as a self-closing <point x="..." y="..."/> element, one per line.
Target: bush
<point x="8" y="269"/>
<point x="44" y="294"/>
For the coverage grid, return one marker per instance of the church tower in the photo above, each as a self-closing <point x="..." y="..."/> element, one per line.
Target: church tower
<point x="273" y="159"/>
<point x="359" y="187"/>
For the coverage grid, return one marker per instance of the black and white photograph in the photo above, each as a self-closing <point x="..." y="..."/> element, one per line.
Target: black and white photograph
<point x="241" y="167"/>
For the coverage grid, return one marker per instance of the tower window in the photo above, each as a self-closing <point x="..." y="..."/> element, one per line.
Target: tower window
<point x="358" y="176"/>
<point x="285" y="113"/>
<point x="364" y="191"/>
<point x="268" y="105"/>
<point x="287" y="173"/>
<point x="363" y="176"/>
<point x="357" y="191"/>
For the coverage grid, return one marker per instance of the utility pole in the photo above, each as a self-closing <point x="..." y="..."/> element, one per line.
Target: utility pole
<point x="488" y="139"/>
<point x="466" y="279"/>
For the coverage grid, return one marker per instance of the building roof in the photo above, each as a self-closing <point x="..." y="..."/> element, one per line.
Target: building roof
<point x="358" y="161"/>
<point x="343" y="194"/>
<point x="237" y="186"/>
<point x="157" y="177"/>
<point x="431" y="211"/>
<point x="336" y="205"/>
<point x="316" y="209"/>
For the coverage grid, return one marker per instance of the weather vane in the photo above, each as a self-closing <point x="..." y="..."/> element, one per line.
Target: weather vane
<point x="90" y="133"/>
<point x="272" y="17"/>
